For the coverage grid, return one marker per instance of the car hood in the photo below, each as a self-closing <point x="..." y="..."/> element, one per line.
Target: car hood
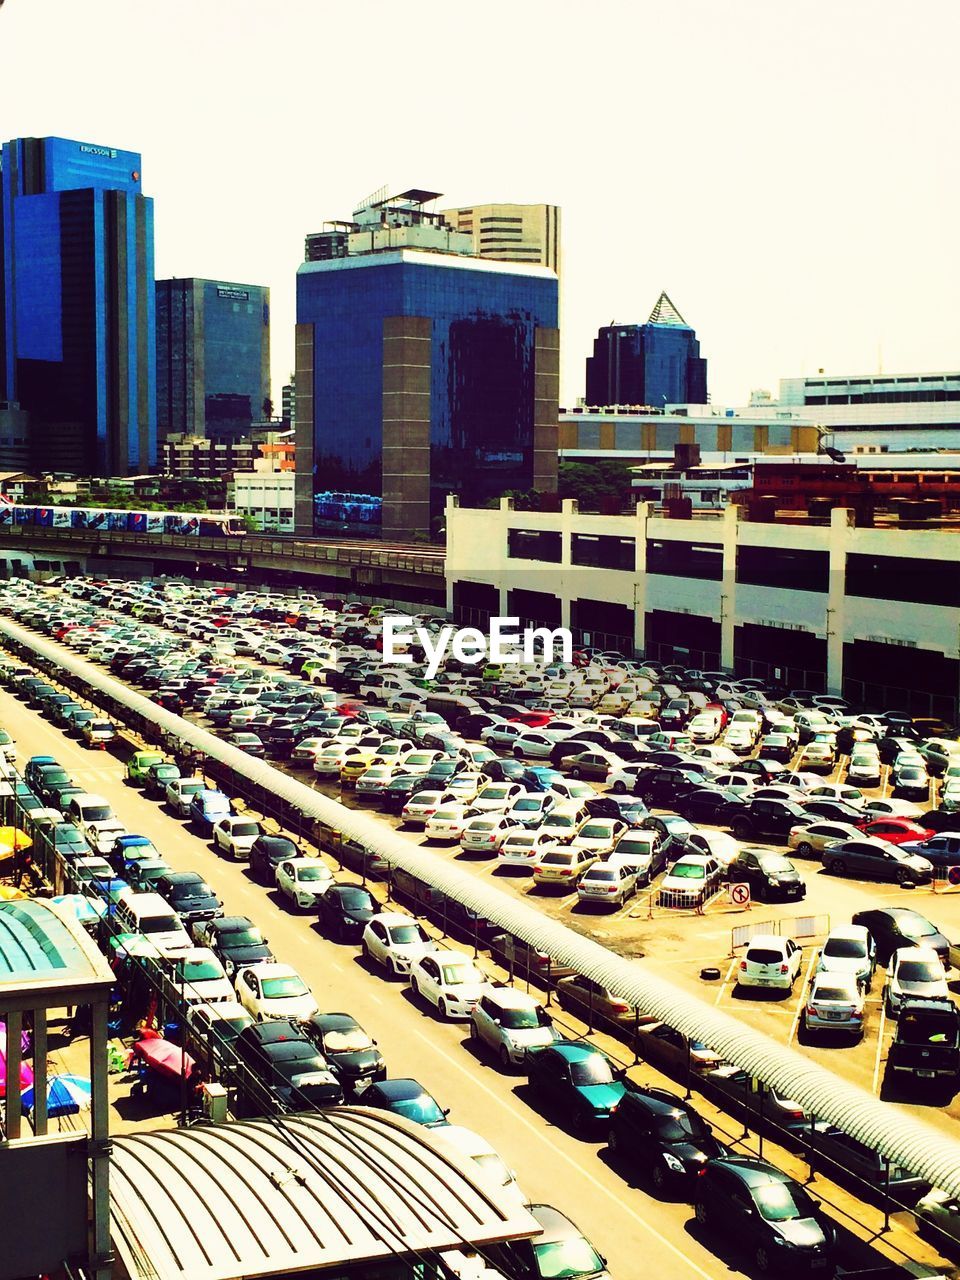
<point x="691" y="1154"/>
<point x="357" y="915"/>
<point x="358" y="1063"/>
<point x="196" y="902"/>
<point x="805" y="1233"/>
<point x="920" y="990"/>
<point x="531" y="1037"/>
<point x="844" y="964"/>
<point x="602" y="1097"/>
<point x="249" y="953"/>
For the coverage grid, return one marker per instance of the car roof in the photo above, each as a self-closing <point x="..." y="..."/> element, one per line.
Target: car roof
<point x="393" y="917"/>
<point x="334" y="1021"/>
<point x="510" y="998"/>
<point x="399" y="1088"/>
<point x="755" y="1173"/>
<point x="574" y="1052"/>
<point x="556" y="1225"/>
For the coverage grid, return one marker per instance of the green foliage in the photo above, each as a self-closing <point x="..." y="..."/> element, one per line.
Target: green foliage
<point x="596" y="483"/>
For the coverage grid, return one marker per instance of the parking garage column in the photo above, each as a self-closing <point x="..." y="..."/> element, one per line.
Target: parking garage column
<point x="569" y="510"/>
<point x="842" y="523"/>
<point x="640" y="578"/>
<point x="728" y="590"/>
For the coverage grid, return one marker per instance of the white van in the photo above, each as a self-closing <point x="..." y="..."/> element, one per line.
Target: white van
<point x="149" y="914"/>
<point x="87" y="810"/>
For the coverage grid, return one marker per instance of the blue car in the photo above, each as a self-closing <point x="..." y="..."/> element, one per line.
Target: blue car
<point x="128" y="849"/>
<point x="405" y="1097"/>
<point x="541" y="777"/>
<point x="207" y="808"/>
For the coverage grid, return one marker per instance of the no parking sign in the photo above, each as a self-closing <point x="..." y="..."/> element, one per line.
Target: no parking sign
<point x="740" y="894"/>
<point x="953" y="874"/>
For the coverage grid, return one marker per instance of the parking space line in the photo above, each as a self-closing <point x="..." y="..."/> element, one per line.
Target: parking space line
<point x="731" y="968"/>
<point x="803" y="995"/>
<point x="880" y="1030"/>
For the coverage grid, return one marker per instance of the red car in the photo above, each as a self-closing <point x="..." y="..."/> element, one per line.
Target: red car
<point x="533" y="719"/>
<point x="894" y="830"/>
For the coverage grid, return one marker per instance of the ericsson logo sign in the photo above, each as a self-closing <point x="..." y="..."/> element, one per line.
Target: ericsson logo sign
<point x="107" y="153"/>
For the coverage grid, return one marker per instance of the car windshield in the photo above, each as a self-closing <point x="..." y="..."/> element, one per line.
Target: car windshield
<point x="190" y="788"/>
<point x="159" y="924"/>
<point x="313" y="873"/>
<point x="602" y="873"/>
<point x="402" y="935"/>
<point x="592" y="1070"/>
<point x="456" y="975"/>
<point x="482" y="826"/>
<point x="780" y="1201"/>
<point x="595" y="831"/>
<point x="96" y="813"/>
<point x="680" y="1126"/>
<point x="561" y="820"/>
<point x="838" y="995"/>
<point x="562" y="1258"/>
<point x="522" y="1019"/>
<point x="278" y="988"/>
<point x="246" y="829"/>
<point x="354" y="1040"/>
<point x="354" y="900"/>
<point x="242" y="938"/>
<point x="195" y="889"/>
<point x="920" y="971"/>
<point x="494" y="793"/>
<point x="688" y="871"/>
<point x="845" y="948"/>
<point x="423" y="1110"/>
<point x="775" y="862"/>
<point x="197" y="971"/>
<point x="529" y="803"/>
<point x="763" y="955"/>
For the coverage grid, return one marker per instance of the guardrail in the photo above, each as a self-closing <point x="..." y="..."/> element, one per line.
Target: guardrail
<point x="900" y="1137"/>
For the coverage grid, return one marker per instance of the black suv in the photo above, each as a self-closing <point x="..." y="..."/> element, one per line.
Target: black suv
<point x="895" y="927"/>
<point x="236" y="941"/>
<point x="769" y="820"/>
<point x="190" y="896"/>
<point x="266" y="854"/>
<point x="280" y="1057"/>
<point x="769" y="874"/>
<point x="350" y="1053"/>
<point x="658" y="1132"/>
<point x="767" y="1213"/>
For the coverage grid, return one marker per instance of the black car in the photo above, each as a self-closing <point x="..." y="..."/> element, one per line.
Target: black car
<point x="236" y="941"/>
<point x="821" y="810"/>
<point x="706" y="803"/>
<point x="633" y="812"/>
<point x="439" y="774"/>
<point x="350" y="1052"/>
<point x="266" y="854"/>
<point x="659" y="787"/>
<point x="772" y="1217"/>
<point x="280" y="1058"/>
<point x="504" y="770"/>
<point x="51" y="782"/>
<point x="398" y="791"/>
<point x="769" y="820"/>
<point x="770" y="875"/>
<point x="189" y="895"/>
<point x="661" y="1134"/>
<point x="344" y="910"/>
<point x="69" y="841"/>
<point x="894" y="927"/>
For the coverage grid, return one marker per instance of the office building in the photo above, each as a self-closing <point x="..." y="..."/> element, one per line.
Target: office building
<point x="77" y="331"/>
<point x="265" y="497"/>
<point x="870" y="613"/>
<point x="511" y="232"/>
<point x="288" y="403"/>
<point x="185" y="457"/>
<point x="14" y="437"/>
<point x="657" y="363"/>
<point x="213" y="356"/>
<point x="422" y="370"/>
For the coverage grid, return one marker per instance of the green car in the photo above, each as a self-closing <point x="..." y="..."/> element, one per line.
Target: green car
<point x="139" y="763"/>
<point x="578" y="1081"/>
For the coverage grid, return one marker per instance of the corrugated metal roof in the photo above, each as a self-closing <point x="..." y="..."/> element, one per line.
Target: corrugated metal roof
<point x="900" y="1136"/>
<point x="256" y="1198"/>
<point x="37" y="945"/>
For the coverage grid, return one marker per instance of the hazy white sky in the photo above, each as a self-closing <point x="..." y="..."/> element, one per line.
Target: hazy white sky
<point x="787" y="171"/>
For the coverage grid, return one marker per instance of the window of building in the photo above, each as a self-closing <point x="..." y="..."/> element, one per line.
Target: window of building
<point x="603" y="552"/>
<point x="905" y="580"/>
<point x="685" y="559"/>
<point x="785" y="567"/>
<point x="535" y="544"/>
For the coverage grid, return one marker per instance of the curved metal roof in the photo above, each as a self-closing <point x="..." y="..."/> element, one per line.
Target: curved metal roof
<point x="40" y="947"/>
<point x="312" y="1191"/>
<point x="895" y="1133"/>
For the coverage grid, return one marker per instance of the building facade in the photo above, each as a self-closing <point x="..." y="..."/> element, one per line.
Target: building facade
<point x="511" y="232"/>
<point x="657" y="363"/>
<point x="872" y="613"/>
<point x="422" y="370"/>
<point x="266" y="497"/>
<point x="213" y="356"/>
<point x="77" y="320"/>
<point x="185" y="457"/>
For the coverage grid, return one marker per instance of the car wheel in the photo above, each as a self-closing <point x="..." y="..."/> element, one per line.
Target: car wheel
<point x="658" y="1177"/>
<point x="505" y="1058"/>
<point x="517" y="753"/>
<point x="805" y="849"/>
<point x="741" y="830"/>
<point x="837" y="867"/>
<point x="442" y="1007"/>
<point x="904" y="877"/>
<point x="619" y="788"/>
<point x="702" y="1213"/>
<point x="762" y="1259"/>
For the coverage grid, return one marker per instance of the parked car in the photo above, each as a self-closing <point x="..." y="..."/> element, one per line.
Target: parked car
<point x="661" y="1136"/>
<point x="303" y="880"/>
<point x="769" y="874"/>
<point x="351" y="1054"/>
<point x="877" y="860"/>
<point x="835" y="1003"/>
<point x="770" y="961"/>
<point x="577" y="1080"/>
<point x="511" y="1022"/>
<point x="914" y="973"/>
<point x="690" y="881"/>
<point x="345" y="910"/>
<point x="394" y="942"/>
<point x="849" y="952"/>
<point x="448" y="980"/>
<point x="266" y="854"/>
<point x="271" y="990"/>
<point x="893" y="927"/>
<point x="404" y="1097"/>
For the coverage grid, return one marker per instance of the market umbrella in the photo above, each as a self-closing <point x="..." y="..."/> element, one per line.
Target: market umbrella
<point x="9" y="894"/>
<point x="66" y="1095"/>
<point x="13" y="838"/>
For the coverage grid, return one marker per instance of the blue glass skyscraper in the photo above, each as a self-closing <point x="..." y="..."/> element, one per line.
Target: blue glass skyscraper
<point x="422" y="370"/>
<point x="77" y="306"/>
<point x="656" y="363"/>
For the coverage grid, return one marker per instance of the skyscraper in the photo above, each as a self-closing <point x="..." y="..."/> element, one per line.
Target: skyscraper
<point x="213" y="356"/>
<point x="77" y="333"/>
<point x="422" y="369"/>
<point x="656" y="363"/>
<point x="511" y="232"/>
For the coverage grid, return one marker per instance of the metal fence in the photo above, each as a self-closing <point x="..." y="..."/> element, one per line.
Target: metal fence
<point x="797" y="927"/>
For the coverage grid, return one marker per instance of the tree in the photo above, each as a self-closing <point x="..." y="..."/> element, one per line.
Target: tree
<point x="267" y="407"/>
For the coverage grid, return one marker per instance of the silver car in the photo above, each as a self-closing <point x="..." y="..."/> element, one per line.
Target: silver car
<point x="180" y="792"/>
<point x="510" y="1022"/>
<point x="835" y="1003"/>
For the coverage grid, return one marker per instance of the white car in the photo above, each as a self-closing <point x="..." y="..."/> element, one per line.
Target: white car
<point x="914" y="973"/>
<point x="502" y="736"/>
<point x="375" y="777"/>
<point x="849" y="952"/>
<point x="740" y="783"/>
<point x="535" y="744"/>
<point x="235" y="835"/>
<point x="521" y="848"/>
<point x="328" y="762"/>
<point x="810" y="838"/>
<point x="622" y="780"/>
<point x="448" y="980"/>
<point x="770" y="961"/>
<point x="719" y="844"/>
<point x="835" y="1003"/>
<point x="852" y="796"/>
<point x="423" y="805"/>
<point x="487" y="832"/>
<point x="690" y="880"/>
<point x="573" y="789"/>
<point x="420" y="761"/>
<point x="448" y="821"/>
<point x="889" y="807"/>
<point x="529" y="809"/>
<point x="497" y="796"/>
<point x="721" y="756"/>
<point x="491" y="1170"/>
<point x="599" y="835"/>
<point x="303" y="880"/>
<point x="510" y="1022"/>
<point x="199" y="977"/>
<point x="608" y="883"/>
<point x="274" y="991"/>
<point x="395" y="942"/>
<point x="864" y="767"/>
<point x="740" y="738"/>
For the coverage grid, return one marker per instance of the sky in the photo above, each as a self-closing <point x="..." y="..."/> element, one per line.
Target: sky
<point x="787" y="171"/>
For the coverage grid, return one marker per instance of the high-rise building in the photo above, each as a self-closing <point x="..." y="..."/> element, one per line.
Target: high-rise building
<point x="422" y="370"/>
<point x="657" y="363"/>
<point x="213" y="356"/>
<point x="288" y="403"/>
<point x="77" y="332"/>
<point x="511" y="232"/>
